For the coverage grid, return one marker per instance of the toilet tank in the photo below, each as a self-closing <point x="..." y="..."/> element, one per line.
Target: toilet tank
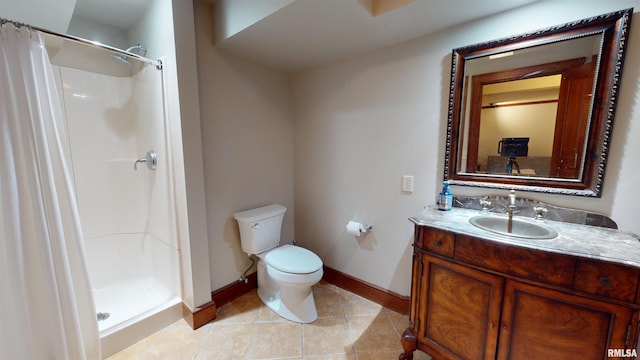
<point x="260" y="228"/>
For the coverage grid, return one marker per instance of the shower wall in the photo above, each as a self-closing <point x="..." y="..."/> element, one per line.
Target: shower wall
<point x="127" y="215"/>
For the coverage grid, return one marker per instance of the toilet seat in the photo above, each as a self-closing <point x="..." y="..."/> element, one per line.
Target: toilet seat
<point x="293" y="260"/>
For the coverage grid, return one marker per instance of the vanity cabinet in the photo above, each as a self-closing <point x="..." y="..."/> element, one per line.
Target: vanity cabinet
<point x="477" y="299"/>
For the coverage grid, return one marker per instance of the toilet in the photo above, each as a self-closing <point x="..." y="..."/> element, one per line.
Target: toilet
<point x="285" y="273"/>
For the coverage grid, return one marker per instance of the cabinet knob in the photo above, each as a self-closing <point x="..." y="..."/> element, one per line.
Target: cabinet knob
<point x="605" y="281"/>
<point x="437" y="243"/>
<point x="491" y="326"/>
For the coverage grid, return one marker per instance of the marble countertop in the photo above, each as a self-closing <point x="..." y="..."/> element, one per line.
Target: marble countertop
<point x="573" y="239"/>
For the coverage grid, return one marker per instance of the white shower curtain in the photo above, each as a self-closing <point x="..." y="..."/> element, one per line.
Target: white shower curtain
<point x="46" y="306"/>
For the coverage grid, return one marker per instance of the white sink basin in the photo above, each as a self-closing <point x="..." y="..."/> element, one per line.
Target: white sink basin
<point x="521" y="228"/>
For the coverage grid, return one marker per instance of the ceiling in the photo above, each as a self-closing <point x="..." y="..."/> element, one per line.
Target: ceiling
<point x="55" y="15"/>
<point x="300" y="34"/>
<point x="308" y="32"/>
<point x="119" y="13"/>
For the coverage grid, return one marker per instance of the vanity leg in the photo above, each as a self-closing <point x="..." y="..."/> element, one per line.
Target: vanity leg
<point x="409" y="344"/>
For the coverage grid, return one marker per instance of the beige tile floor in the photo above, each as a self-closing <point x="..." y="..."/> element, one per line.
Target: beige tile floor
<point x="349" y="327"/>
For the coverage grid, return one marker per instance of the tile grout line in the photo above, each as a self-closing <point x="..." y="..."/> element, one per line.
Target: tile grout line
<point x="350" y="309"/>
<point x="346" y="319"/>
<point x="202" y="341"/>
<point x="253" y="337"/>
<point x="302" y="341"/>
<point x="393" y="326"/>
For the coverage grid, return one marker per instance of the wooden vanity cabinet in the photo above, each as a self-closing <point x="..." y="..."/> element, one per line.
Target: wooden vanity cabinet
<point x="460" y="312"/>
<point x="476" y="299"/>
<point x="539" y="323"/>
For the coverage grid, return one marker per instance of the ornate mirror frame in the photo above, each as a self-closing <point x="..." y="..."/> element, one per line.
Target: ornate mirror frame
<point x="613" y="27"/>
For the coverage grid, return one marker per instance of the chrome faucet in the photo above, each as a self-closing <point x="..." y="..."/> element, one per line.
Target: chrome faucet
<point x="511" y="210"/>
<point x="151" y="159"/>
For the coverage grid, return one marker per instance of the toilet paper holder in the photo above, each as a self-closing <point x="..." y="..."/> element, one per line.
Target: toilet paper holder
<point x="357" y="229"/>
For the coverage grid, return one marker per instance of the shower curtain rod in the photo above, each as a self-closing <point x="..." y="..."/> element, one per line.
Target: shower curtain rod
<point x="156" y="63"/>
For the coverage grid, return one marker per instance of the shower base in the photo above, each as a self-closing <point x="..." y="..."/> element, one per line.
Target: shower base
<point x="137" y="308"/>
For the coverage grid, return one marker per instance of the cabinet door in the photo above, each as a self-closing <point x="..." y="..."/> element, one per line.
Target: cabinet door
<point x="545" y="324"/>
<point x="459" y="314"/>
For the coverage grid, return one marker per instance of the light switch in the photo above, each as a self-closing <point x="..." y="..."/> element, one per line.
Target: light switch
<point x="407" y="183"/>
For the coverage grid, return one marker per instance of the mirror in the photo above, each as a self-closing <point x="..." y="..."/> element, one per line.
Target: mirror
<point x="535" y="111"/>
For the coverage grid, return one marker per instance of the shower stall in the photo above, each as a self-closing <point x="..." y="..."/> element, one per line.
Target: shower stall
<point x="116" y="120"/>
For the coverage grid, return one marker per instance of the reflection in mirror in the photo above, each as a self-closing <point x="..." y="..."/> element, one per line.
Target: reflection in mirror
<point x="536" y="110"/>
<point x="509" y="96"/>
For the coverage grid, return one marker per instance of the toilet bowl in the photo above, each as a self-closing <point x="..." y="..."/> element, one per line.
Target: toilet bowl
<point x="285" y="273"/>
<point x="286" y="288"/>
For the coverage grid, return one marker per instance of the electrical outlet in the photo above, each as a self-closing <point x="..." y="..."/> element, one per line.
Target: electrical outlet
<point x="407" y="183"/>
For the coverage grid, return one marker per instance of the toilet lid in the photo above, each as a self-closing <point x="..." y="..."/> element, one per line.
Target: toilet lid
<point x="293" y="259"/>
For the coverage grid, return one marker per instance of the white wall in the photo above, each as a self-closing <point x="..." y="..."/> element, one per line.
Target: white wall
<point x="96" y="31"/>
<point x="166" y="29"/>
<point x="112" y="121"/>
<point x="247" y="132"/>
<point x="358" y="125"/>
<point x="51" y="15"/>
<point x="233" y="16"/>
<point x="362" y="123"/>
